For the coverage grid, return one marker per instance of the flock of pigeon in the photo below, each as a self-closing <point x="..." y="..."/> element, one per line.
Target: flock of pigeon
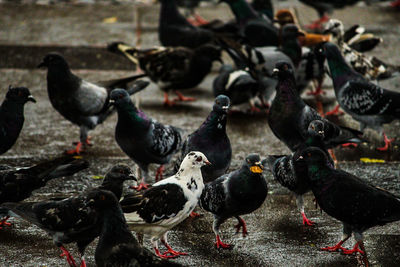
<point x="274" y="62"/>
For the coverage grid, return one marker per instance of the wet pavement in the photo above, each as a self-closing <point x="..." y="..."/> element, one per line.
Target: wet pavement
<point x="276" y="235"/>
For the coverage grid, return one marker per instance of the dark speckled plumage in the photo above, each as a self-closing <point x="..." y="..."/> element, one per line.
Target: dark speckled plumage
<point x="237" y="193"/>
<point x="289" y="117"/>
<point x="12" y="116"/>
<point x="143" y="139"/>
<point x="211" y="139"/>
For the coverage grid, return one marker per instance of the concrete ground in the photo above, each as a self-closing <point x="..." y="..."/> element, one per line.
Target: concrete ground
<point x="277" y="237"/>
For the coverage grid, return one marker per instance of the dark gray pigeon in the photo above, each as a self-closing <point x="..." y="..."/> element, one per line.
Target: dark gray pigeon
<point x="234" y="194"/>
<point x="369" y="104"/>
<point x="12" y="116"/>
<point x="289" y="117"/>
<point x="211" y="139"/>
<point x="143" y="139"/>
<point x="82" y="103"/>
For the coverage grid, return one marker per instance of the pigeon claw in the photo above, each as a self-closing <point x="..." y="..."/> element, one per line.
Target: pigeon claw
<point x="241" y="224"/>
<point x="336" y="248"/>
<point x="164" y="255"/>
<point x="76" y="151"/>
<point x="4" y="223"/>
<point x="194" y="215"/>
<point x="141" y="186"/>
<point x="335" y="112"/>
<point x="354" y="250"/>
<point x="197" y="20"/>
<point x="183" y="98"/>
<point x="220" y="244"/>
<point x="387" y="143"/>
<point x="173" y="252"/>
<point x="307" y="221"/>
<point x="70" y="259"/>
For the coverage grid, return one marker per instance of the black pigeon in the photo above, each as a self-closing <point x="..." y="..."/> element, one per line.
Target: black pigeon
<point x="211" y="139"/>
<point x="291" y="173"/>
<point x="81" y="102"/>
<point x="234" y="194"/>
<point x="12" y="116"/>
<point x="117" y="247"/>
<point x="257" y="30"/>
<point x="289" y="117"/>
<point x="348" y="198"/>
<point x="366" y="102"/>
<point x="143" y="139"/>
<point x="172" y="68"/>
<point x="68" y="220"/>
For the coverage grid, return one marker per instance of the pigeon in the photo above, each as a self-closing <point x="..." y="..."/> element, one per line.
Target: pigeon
<point x="234" y="194"/>
<point x="211" y="139"/>
<point x="143" y="139"/>
<point x="167" y="203"/>
<point x="367" y="103"/>
<point x="257" y="30"/>
<point x="264" y="8"/>
<point x="12" y="116"/>
<point x="347" y="198"/>
<point x="289" y="117"/>
<point x="117" y="247"/>
<point x="172" y="68"/>
<point x="81" y="102"/>
<point x="68" y="220"/>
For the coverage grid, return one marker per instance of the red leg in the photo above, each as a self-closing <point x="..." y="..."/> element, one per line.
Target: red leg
<point x="159" y="173"/>
<point x="318" y="23"/>
<point x="306" y="221"/>
<point x="168" y="102"/>
<point x="241" y="224"/>
<point x="194" y="215"/>
<point x="219" y="244"/>
<point x="88" y="141"/>
<point x="350" y="145"/>
<point x="336" y="248"/>
<point x="318" y="91"/>
<point x="387" y="143"/>
<point x="173" y="252"/>
<point x="164" y="256"/>
<point x="335" y="111"/>
<point x="354" y="250"/>
<point x="141" y="186"/>
<point x="181" y="97"/>
<point x="70" y="259"/>
<point x="76" y="151"/>
<point x="4" y="223"/>
<point x="83" y="263"/>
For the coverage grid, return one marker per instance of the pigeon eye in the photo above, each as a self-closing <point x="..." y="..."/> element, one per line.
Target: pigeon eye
<point x="199" y="159"/>
<point x="217" y="102"/>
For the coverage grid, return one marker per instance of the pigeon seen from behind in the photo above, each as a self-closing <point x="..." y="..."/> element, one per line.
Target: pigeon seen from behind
<point x="12" y="116"/>
<point x="142" y="138"/>
<point x="81" y="102"/>
<point x="234" y="194"/>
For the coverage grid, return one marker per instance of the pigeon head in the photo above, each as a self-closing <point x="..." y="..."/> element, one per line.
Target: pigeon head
<point x="221" y="104"/>
<point x="53" y="60"/>
<point x="194" y="159"/>
<point x="290" y="31"/>
<point x="313" y="157"/>
<point x="253" y="162"/>
<point x="210" y="51"/>
<point x="316" y="128"/>
<point x="331" y="51"/>
<point x="19" y="95"/>
<point x="284" y="16"/>
<point x="334" y="27"/>
<point x="282" y="70"/>
<point x="119" y="97"/>
<point x="99" y="200"/>
<point x="121" y="172"/>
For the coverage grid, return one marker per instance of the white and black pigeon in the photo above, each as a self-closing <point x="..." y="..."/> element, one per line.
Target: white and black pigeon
<point x="167" y="203"/>
<point x="212" y="140"/>
<point x="143" y="139"/>
<point x="289" y="117"/>
<point x="369" y="104"/>
<point x="81" y="102"/>
<point x="234" y="194"/>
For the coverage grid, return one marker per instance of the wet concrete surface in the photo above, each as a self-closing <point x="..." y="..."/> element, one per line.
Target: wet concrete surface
<point x="276" y="235"/>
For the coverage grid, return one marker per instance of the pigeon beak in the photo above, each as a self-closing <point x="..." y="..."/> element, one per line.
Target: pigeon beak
<point x="321" y="132"/>
<point x="225" y="108"/>
<point x="31" y="98"/>
<point x="207" y="162"/>
<point x="111" y="102"/>
<point x="41" y="64"/>
<point x="131" y="177"/>
<point x="300" y="158"/>
<point x="275" y="72"/>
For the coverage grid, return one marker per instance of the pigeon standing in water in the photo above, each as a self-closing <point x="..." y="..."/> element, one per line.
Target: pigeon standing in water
<point x="117" y="246"/>
<point x="82" y="103"/>
<point x="366" y="102"/>
<point x="68" y="220"/>
<point x="143" y="139"/>
<point x="167" y="203"/>
<point x="211" y="139"/>
<point x="358" y="205"/>
<point x="12" y="116"/>
<point x="234" y="194"/>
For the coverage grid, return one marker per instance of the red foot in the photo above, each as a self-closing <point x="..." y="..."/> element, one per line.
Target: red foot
<point x="4" y="223"/>
<point x="395" y="4"/>
<point x="306" y="221"/>
<point x="350" y="145"/>
<point x="387" y="143"/>
<point x="173" y="252"/>
<point x="182" y="98"/>
<point x="318" y="23"/>
<point x="159" y="173"/>
<point x="164" y="256"/>
<point x="254" y="109"/>
<point x="318" y="91"/>
<point x="194" y="215"/>
<point x="354" y="250"/>
<point x="336" y="248"/>
<point x="83" y="263"/>
<point x="78" y="149"/>
<point x="88" y="142"/>
<point x="241" y="224"/>
<point x="141" y="186"/>
<point x="70" y="259"/>
<point x="219" y="244"/>
<point x="168" y="102"/>
<point x="335" y="111"/>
